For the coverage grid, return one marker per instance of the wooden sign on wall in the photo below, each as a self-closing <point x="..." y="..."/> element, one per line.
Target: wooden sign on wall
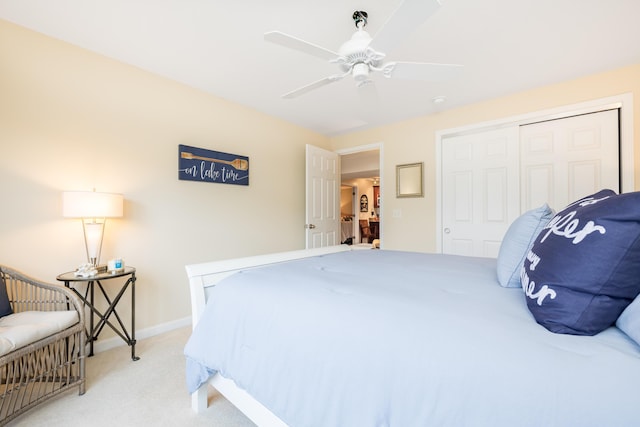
<point x="199" y="164"/>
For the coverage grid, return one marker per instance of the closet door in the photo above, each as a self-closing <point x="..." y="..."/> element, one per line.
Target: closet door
<point x="480" y="190"/>
<point x="563" y="160"/>
<point x="490" y="177"/>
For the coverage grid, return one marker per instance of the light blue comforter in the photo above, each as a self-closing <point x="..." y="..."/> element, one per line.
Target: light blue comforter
<point x="383" y="338"/>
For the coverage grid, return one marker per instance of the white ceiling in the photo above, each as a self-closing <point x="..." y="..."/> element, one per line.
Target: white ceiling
<point x="363" y="164"/>
<point x="217" y="46"/>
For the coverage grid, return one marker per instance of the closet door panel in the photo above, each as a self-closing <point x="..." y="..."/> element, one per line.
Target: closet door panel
<point x="462" y="194"/>
<point x="580" y="154"/>
<point x="495" y="203"/>
<point x="584" y="177"/>
<point x="539" y="185"/>
<point x="480" y="191"/>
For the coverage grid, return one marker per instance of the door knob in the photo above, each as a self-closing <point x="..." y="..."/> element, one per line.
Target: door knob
<point x="310" y="226"/>
<point x="447" y="230"/>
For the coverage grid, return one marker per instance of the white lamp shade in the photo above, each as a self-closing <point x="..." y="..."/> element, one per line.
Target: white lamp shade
<point x="90" y="204"/>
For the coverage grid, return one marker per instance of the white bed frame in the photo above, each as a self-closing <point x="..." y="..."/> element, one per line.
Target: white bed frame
<point x="202" y="278"/>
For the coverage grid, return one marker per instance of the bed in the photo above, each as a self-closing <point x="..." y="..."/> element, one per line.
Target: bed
<point x="343" y="337"/>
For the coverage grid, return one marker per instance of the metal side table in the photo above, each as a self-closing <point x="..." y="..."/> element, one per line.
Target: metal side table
<point x="95" y="329"/>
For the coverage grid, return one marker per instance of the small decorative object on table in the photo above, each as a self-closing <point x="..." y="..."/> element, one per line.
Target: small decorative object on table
<point x="115" y="265"/>
<point x="86" y="270"/>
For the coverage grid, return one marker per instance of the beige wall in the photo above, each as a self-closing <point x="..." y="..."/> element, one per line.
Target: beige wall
<point x="414" y="141"/>
<point x="73" y="120"/>
<point x="346" y="201"/>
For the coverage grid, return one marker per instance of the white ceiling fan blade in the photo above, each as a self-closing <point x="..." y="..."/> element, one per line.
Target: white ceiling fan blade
<point x="422" y="71"/>
<point x="406" y="18"/>
<point x="300" y="45"/>
<point x="315" y="85"/>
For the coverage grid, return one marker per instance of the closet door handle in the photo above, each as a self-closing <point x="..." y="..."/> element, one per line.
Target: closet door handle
<point x="310" y="226"/>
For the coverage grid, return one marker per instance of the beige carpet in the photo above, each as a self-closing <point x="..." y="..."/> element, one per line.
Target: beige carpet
<point x="148" y="392"/>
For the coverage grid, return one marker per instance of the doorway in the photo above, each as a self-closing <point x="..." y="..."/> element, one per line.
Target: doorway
<point x="361" y="193"/>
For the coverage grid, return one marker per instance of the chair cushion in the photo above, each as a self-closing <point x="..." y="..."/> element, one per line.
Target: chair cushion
<point x="5" y="305"/>
<point x="21" y="329"/>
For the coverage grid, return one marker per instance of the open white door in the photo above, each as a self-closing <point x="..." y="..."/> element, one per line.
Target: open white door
<point x="322" y="217"/>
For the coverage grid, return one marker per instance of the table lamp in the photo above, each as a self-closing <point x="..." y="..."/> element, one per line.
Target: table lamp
<point x="93" y="209"/>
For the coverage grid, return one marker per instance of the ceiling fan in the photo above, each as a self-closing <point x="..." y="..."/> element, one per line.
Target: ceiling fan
<point x="358" y="58"/>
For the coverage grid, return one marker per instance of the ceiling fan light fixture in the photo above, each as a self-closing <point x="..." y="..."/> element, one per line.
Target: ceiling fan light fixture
<point x="360" y="72"/>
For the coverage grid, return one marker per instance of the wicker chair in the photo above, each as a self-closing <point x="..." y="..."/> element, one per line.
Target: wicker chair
<point x="38" y="371"/>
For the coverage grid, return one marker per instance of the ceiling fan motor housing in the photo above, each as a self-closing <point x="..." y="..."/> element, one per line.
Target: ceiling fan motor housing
<point x="357" y="44"/>
<point x="357" y="51"/>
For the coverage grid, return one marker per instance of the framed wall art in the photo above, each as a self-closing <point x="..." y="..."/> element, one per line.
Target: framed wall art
<point x="364" y="203"/>
<point x="409" y="180"/>
<point x="199" y="164"/>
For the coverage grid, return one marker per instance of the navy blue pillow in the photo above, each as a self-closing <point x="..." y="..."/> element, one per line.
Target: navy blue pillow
<point x="584" y="267"/>
<point x="5" y="305"/>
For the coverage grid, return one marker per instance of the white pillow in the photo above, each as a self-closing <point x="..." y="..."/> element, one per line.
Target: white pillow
<point x="517" y="242"/>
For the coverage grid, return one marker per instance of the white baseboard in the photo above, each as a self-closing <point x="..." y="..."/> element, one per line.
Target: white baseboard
<point x="116" y="341"/>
